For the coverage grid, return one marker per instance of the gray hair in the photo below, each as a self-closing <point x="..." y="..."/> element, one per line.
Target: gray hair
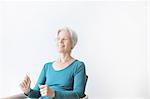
<point x="73" y="34"/>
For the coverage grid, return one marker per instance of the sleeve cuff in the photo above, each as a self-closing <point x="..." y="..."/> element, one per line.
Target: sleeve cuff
<point x="28" y="91"/>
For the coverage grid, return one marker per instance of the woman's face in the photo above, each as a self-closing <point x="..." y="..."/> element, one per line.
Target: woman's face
<point x="64" y="42"/>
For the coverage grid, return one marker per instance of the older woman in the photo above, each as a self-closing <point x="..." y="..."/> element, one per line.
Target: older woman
<point x="64" y="78"/>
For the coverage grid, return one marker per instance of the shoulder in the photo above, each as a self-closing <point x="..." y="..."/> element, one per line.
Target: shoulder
<point x="48" y="64"/>
<point x="79" y="63"/>
<point x="79" y="66"/>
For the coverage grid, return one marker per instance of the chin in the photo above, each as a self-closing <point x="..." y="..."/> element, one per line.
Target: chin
<point x="60" y="51"/>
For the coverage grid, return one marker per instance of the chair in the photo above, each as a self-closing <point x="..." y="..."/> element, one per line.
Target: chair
<point x="18" y="96"/>
<point x="86" y="97"/>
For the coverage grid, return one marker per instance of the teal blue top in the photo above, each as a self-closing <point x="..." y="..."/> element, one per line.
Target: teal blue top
<point x="68" y="83"/>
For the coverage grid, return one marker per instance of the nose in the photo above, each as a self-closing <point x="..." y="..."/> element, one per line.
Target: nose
<point x="60" y="40"/>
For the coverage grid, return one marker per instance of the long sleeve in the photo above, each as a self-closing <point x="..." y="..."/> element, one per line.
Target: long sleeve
<point x="78" y="85"/>
<point x="35" y="93"/>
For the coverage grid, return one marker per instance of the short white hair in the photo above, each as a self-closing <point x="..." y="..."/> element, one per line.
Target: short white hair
<point x="74" y="36"/>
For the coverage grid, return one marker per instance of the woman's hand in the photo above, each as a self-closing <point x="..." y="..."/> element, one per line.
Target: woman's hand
<point x="25" y="85"/>
<point x="46" y="91"/>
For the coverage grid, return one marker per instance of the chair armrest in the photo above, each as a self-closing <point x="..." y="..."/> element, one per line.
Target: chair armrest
<point x="17" y="96"/>
<point x="86" y="97"/>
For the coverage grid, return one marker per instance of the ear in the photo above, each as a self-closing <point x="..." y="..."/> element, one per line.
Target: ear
<point x="72" y="46"/>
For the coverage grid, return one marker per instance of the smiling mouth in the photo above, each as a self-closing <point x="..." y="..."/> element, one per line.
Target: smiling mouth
<point x="60" y="45"/>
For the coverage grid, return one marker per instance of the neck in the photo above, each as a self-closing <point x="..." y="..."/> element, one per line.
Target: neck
<point x="64" y="57"/>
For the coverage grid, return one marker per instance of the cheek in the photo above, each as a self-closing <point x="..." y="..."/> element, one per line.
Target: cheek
<point x="69" y="45"/>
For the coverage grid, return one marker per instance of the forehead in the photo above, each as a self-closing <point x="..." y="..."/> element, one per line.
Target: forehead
<point x="63" y="33"/>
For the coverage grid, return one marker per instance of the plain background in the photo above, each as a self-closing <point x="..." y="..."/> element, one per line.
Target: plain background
<point x="114" y="43"/>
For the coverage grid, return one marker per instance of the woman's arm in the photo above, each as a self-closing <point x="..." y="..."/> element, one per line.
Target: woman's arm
<point x="35" y="92"/>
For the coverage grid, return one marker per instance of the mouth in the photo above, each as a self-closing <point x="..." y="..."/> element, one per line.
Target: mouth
<point x="60" y="45"/>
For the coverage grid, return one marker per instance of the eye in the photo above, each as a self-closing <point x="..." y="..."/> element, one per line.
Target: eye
<point x="62" y="39"/>
<point x="65" y="39"/>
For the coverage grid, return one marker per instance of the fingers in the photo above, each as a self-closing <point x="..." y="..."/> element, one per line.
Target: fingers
<point x="43" y="90"/>
<point x="25" y="84"/>
<point x="27" y="78"/>
<point x="46" y="91"/>
<point x="43" y="86"/>
<point x="21" y="85"/>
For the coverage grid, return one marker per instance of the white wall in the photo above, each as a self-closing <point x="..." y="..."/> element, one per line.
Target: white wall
<point x="113" y="42"/>
<point x="148" y="46"/>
